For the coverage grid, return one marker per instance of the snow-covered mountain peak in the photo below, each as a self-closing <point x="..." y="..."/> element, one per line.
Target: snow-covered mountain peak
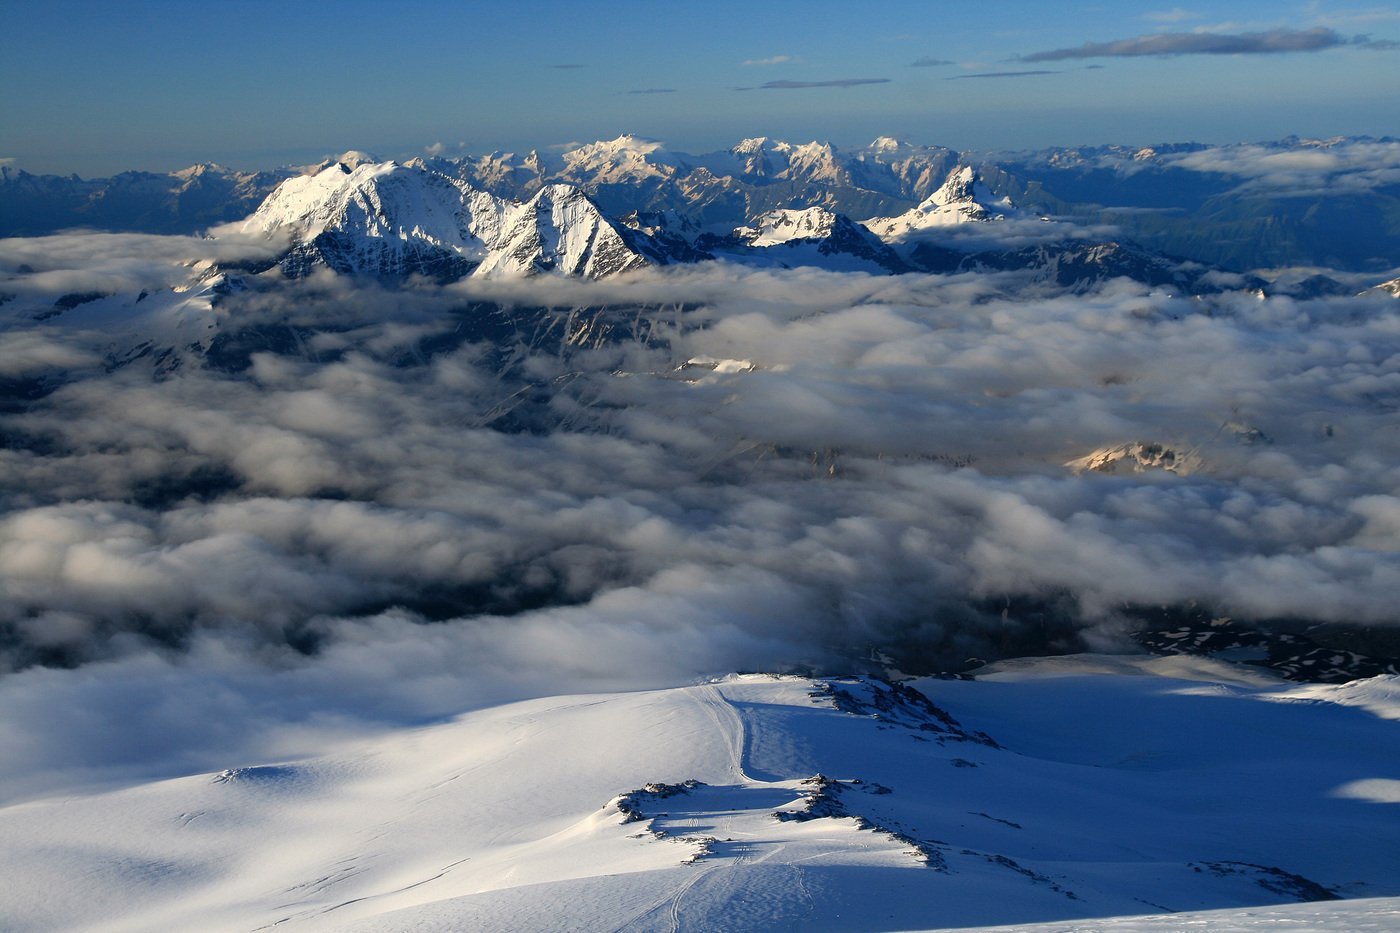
<point x="351" y="159"/>
<point x="307" y="205"/>
<point x="1139" y="457"/>
<point x="381" y="219"/>
<point x="813" y="236"/>
<point x="816" y="161"/>
<point x="391" y="220"/>
<point x="1391" y="287"/>
<point x="560" y="230"/>
<point x="626" y="159"/>
<point x="755" y="157"/>
<point x="780" y="226"/>
<point x="626" y="142"/>
<point x="354" y="158"/>
<point x="623" y="147"/>
<point x="760" y="144"/>
<point x="888" y="144"/>
<point x="962" y="198"/>
<point x="200" y="169"/>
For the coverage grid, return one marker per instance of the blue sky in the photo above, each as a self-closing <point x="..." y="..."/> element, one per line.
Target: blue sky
<point x="97" y="87"/>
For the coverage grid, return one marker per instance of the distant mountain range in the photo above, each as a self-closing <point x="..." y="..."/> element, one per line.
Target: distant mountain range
<point x="1330" y="203"/>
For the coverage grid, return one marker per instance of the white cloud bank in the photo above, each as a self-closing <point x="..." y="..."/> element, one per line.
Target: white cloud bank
<point x="386" y="517"/>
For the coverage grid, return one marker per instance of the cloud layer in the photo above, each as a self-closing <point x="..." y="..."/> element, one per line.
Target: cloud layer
<point x="839" y="82"/>
<point x="1274" y="41"/>
<point x="377" y="506"/>
<point x="1002" y="74"/>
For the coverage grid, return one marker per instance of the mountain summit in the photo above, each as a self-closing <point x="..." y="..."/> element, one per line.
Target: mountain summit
<point x="963" y="198"/>
<point x="387" y="220"/>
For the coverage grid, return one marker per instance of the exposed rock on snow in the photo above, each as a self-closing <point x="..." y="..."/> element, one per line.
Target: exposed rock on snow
<point x="1390" y="288"/>
<point x="812" y="236"/>
<point x="1138" y="457"/>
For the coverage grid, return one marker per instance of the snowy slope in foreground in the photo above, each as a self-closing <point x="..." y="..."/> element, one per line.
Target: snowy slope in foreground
<point x="1041" y="793"/>
<point x="1373" y="915"/>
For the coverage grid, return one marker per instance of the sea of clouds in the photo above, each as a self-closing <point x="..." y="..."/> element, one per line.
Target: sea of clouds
<point x="384" y="506"/>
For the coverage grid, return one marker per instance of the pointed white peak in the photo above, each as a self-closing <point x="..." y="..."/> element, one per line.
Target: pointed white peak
<point x="816" y="161"/>
<point x="627" y="142"/>
<point x="781" y="226"/>
<point x="626" y="159"/>
<point x="963" y="198"/>
<point x="1138" y="457"/>
<point x="558" y="230"/>
<point x="379" y="209"/>
<point x="354" y="158"/>
<point x="390" y="220"/>
<point x="201" y="169"/>
<point x="888" y="144"/>
<point x="1390" y="288"/>
<point x="957" y="189"/>
<point x="888" y="150"/>
<point x="757" y="156"/>
<point x="503" y="173"/>
<point x="760" y="144"/>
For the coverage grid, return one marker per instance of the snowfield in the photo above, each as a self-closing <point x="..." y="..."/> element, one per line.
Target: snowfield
<point x="1051" y="791"/>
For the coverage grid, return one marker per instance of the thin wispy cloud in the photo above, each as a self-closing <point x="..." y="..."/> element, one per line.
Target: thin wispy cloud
<point x="653" y="90"/>
<point x="930" y="63"/>
<point x="771" y="60"/>
<point x="839" y="82"/>
<point x="1001" y="74"/>
<point x="1354" y="17"/>
<point x="1272" y="42"/>
<point x="1174" y="15"/>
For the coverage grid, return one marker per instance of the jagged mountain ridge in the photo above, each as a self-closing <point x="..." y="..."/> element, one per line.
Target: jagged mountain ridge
<point x="389" y="221"/>
<point x="184" y="201"/>
<point x="962" y="198"/>
<point x="813" y="236"/>
<point x="1237" y="206"/>
<point x="726" y="187"/>
<point x="1186" y="199"/>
